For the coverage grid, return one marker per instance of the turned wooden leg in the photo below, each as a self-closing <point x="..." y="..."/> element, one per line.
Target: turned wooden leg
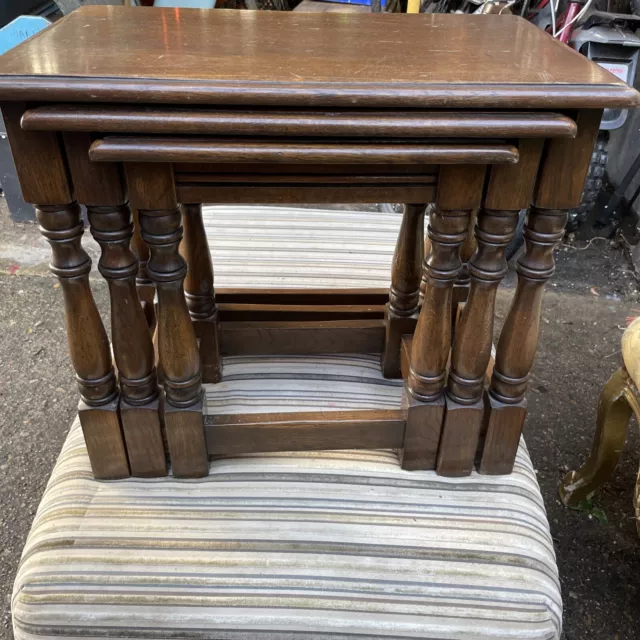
<point x="100" y="188"/>
<point x="152" y="191"/>
<point x="518" y="342"/>
<point x="88" y="342"/>
<point x="559" y="187"/>
<point x="509" y="189"/>
<point x="140" y="402"/>
<point x="472" y="345"/>
<point x="612" y="420"/>
<point x="199" y="290"/>
<point x="461" y="285"/>
<point x="432" y="341"/>
<point x="44" y="179"/>
<point x="425" y="253"/>
<point x="424" y="400"/>
<point x="401" y="312"/>
<point x="144" y="285"/>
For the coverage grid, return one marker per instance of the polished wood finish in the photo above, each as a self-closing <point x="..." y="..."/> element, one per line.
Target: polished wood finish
<point x="112" y="149"/>
<point x="422" y="432"/>
<point x="287" y="171"/>
<point x="469" y="246"/>
<point x="132" y="347"/>
<point x="145" y="287"/>
<point x="510" y="191"/>
<point x="304" y="183"/>
<point x="461" y="285"/>
<point x="152" y="192"/>
<point x="88" y="343"/>
<point x="425" y="253"/>
<point x="304" y="431"/>
<point x="460" y="187"/>
<point x="405" y="355"/>
<point x="94" y="184"/>
<point x="163" y="120"/>
<point x="302" y="337"/>
<point x="151" y="187"/>
<point x="459" y="438"/>
<point x="266" y="312"/>
<point x="300" y="305"/>
<point x="370" y="297"/>
<point x="199" y="290"/>
<point x="564" y="170"/>
<point x="42" y="171"/>
<point x="447" y="231"/>
<point x="186" y="439"/>
<point x="459" y="191"/>
<point x="112" y="227"/>
<point x="563" y="167"/>
<point x="306" y="60"/>
<point x="519" y="338"/>
<point x="406" y="270"/>
<point x="510" y="188"/>
<point x="302" y="116"/>
<point x="401" y="313"/>
<point x="39" y="161"/>
<point x="300" y="179"/>
<point x="284" y="193"/>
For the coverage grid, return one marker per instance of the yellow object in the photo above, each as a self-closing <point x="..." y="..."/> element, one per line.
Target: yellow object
<point x="619" y="399"/>
<point x="413" y="6"/>
<point x="631" y="351"/>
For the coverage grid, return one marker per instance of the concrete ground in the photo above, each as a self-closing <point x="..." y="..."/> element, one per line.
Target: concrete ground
<point x="593" y="293"/>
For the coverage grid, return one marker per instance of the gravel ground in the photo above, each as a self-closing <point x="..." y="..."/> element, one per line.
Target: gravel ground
<point x="585" y="310"/>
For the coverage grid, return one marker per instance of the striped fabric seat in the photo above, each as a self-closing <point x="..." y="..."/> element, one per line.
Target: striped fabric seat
<point x="289" y="546"/>
<point x="292" y="247"/>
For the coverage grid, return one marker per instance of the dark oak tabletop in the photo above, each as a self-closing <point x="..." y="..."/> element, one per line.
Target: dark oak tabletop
<point x="102" y="53"/>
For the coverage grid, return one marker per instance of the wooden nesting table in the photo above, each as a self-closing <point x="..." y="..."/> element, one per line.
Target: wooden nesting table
<point x="158" y="111"/>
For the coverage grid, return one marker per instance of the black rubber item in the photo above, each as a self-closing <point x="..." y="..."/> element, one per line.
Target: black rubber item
<point x="593" y="183"/>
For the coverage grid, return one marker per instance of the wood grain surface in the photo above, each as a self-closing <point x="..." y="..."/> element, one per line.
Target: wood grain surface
<point x="304" y="431"/>
<point x="439" y="124"/>
<point x="120" y="54"/>
<point x="150" y="149"/>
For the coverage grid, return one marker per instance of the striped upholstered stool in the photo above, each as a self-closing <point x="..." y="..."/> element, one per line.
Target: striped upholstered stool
<point x="289" y="546"/>
<point x="288" y="247"/>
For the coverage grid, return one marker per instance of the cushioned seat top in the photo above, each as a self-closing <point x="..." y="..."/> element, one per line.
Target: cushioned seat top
<point x="331" y="545"/>
<point x="294" y="247"/>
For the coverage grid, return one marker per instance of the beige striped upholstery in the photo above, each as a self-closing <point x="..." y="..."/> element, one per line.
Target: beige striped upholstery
<point x="330" y="545"/>
<point x="258" y="384"/>
<point x="291" y="247"/>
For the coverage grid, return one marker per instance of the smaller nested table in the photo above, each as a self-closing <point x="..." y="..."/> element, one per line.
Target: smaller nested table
<point x="158" y="111"/>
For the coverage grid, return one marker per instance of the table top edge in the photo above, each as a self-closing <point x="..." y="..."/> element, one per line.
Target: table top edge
<point x="47" y="88"/>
